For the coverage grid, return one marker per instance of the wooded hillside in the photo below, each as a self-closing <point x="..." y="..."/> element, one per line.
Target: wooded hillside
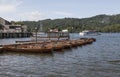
<point x="103" y="23"/>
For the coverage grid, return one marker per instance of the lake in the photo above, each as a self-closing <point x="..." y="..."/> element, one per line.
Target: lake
<point x="99" y="59"/>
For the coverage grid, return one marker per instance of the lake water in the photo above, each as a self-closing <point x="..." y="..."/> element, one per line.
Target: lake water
<point x="100" y="59"/>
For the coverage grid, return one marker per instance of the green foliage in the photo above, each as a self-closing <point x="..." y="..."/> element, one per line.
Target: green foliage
<point x="111" y="28"/>
<point x="103" y="23"/>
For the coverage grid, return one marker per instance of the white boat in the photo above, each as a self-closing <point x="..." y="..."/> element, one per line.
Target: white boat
<point x="89" y="32"/>
<point x="65" y="30"/>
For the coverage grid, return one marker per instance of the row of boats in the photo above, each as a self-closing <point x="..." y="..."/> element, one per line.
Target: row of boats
<point x="46" y="46"/>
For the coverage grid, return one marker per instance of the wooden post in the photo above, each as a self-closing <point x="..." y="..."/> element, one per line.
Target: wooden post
<point x="58" y="35"/>
<point x="36" y="33"/>
<point x="0" y="35"/>
<point x="68" y="36"/>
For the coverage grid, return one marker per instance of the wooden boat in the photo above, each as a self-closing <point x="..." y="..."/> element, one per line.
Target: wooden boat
<point x="28" y="49"/>
<point x="57" y="46"/>
<point x="1" y="49"/>
<point x="22" y="41"/>
<point x="66" y="46"/>
<point x="46" y="46"/>
<point x="87" y="40"/>
<point x="80" y="43"/>
<point x="73" y="43"/>
<point x="93" y="39"/>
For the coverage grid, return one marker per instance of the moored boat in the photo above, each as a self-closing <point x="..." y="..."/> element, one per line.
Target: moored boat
<point x="73" y="43"/>
<point x="46" y="47"/>
<point x="57" y="46"/>
<point x="28" y="49"/>
<point x="1" y="49"/>
<point x="66" y="46"/>
<point x="89" y="32"/>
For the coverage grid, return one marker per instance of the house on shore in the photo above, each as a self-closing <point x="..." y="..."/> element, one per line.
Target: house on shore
<point x="8" y="27"/>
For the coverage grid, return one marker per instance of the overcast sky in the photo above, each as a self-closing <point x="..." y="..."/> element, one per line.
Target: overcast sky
<point x="20" y="10"/>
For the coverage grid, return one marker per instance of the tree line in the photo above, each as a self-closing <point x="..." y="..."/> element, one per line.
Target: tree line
<point x="102" y="23"/>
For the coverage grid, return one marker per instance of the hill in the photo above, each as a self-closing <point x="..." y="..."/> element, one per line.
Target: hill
<point x="103" y="23"/>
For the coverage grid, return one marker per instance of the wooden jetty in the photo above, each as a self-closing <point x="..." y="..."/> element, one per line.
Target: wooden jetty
<point x="15" y="35"/>
<point x="46" y="47"/>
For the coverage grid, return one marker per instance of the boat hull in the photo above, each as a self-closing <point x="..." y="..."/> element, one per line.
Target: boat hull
<point x="27" y="50"/>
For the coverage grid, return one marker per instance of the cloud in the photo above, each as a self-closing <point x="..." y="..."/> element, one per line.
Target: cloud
<point x="7" y="6"/>
<point x="35" y="15"/>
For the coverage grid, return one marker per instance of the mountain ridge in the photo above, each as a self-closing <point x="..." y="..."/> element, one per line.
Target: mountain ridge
<point x="103" y="23"/>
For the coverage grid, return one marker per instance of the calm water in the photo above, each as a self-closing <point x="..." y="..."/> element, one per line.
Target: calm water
<point x="100" y="59"/>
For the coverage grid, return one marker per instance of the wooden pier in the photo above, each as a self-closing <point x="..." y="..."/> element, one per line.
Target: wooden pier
<point x="14" y="35"/>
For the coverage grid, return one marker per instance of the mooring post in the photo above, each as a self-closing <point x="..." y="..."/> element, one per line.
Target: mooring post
<point x="36" y="33"/>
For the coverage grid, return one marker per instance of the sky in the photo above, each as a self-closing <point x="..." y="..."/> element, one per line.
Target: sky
<point x="34" y="10"/>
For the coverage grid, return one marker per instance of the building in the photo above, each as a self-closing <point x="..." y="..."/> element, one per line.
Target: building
<point x="53" y="30"/>
<point x="6" y="26"/>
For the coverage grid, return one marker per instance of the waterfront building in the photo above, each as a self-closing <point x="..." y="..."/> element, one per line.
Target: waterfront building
<point x="8" y="27"/>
